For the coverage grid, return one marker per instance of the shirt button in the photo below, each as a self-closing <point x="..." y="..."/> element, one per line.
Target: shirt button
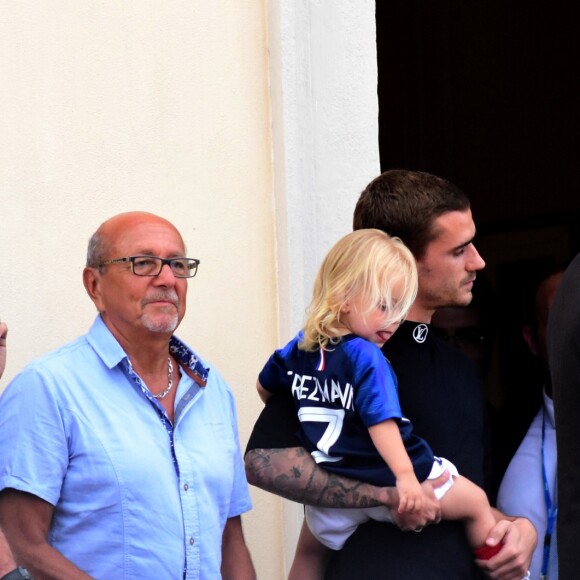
<point x="191" y="541"/>
<point x="185" y="486"/>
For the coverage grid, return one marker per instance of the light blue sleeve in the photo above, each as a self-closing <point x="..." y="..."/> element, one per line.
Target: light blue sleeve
<point x="33" y="437"/>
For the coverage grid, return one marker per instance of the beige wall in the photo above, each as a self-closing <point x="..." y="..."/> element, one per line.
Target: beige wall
<point x="110" y="106"/>
<point x="223" y="116"/>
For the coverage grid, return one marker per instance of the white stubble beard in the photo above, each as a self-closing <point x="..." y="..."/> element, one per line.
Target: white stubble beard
<point x="165" y="321"/>
<point x="164" y="325"/>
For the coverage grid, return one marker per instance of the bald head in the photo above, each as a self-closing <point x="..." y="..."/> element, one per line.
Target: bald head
<point x="103" y="242"/>
<point x="136" y="307"/>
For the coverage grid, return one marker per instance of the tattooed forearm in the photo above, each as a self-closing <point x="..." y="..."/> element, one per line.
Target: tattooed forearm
<point x="293" y="474"/>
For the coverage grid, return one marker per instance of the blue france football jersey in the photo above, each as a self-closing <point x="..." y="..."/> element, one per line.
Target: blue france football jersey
<point x="339" y="393"/>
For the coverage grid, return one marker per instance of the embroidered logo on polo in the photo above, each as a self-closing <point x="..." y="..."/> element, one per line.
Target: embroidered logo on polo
<point x="420" y="333"/>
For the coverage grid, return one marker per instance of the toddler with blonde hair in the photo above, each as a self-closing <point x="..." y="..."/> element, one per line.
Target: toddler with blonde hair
<point x="345" y="393"/>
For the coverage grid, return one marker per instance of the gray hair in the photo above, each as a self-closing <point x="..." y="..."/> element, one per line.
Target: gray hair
<point x="97" y="250"/>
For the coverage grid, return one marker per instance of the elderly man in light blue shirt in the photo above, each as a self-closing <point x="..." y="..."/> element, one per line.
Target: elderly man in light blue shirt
<point x="119" y="453"/>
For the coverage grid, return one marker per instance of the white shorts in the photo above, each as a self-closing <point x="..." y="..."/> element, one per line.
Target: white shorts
<point x="333" y="526"/>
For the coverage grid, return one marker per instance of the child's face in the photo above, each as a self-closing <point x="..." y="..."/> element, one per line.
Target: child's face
<point x="371" y="325"/>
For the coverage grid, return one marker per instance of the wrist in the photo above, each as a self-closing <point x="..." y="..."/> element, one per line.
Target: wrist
<point x="388" y="496"/>
<point x="405" y="473"/>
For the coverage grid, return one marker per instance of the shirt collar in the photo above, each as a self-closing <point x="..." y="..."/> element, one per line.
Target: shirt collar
<point x="111" y="353"/>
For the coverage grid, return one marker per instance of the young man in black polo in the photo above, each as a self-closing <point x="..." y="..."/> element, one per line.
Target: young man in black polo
<point x="439" y="391"/>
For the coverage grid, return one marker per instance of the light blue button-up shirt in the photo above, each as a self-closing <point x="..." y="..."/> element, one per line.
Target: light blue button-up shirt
<point x="134" y="496"/>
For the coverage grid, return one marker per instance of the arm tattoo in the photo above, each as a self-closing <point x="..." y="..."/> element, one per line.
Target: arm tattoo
<point x="293" y="474"/>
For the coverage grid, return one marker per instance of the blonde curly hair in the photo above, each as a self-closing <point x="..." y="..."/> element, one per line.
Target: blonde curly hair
<point x="365" y="262"/>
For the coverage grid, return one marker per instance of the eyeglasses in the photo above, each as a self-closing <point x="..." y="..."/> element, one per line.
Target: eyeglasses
<point x="152" y="265"/>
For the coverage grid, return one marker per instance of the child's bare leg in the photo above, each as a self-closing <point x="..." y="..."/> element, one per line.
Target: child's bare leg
<point x="467" y="502"/>
<point x="310" y="558"/>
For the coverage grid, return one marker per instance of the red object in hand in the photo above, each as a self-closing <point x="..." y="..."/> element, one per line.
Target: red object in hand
<point x="486" y="552"/>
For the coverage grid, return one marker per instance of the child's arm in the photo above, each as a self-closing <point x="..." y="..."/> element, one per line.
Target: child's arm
<point x="387" y="439"/>
<point x="264" y="394"/>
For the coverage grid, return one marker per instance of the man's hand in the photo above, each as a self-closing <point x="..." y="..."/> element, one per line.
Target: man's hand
<point x="3" y="335"/>
<point x="429" y="514"/>
<point x="519" y="539"/>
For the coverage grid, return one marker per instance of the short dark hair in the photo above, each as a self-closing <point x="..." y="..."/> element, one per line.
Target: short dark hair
<point x="405" y="204"/>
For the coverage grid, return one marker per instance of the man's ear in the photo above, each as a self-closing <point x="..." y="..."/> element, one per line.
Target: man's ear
<point x="92" y="283"/>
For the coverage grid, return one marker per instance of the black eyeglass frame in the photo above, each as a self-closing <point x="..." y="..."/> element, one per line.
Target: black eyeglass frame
<point x="162" y="262"/>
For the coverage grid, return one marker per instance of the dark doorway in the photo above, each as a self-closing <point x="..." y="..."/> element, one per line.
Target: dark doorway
<point x="487" y="95"/>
